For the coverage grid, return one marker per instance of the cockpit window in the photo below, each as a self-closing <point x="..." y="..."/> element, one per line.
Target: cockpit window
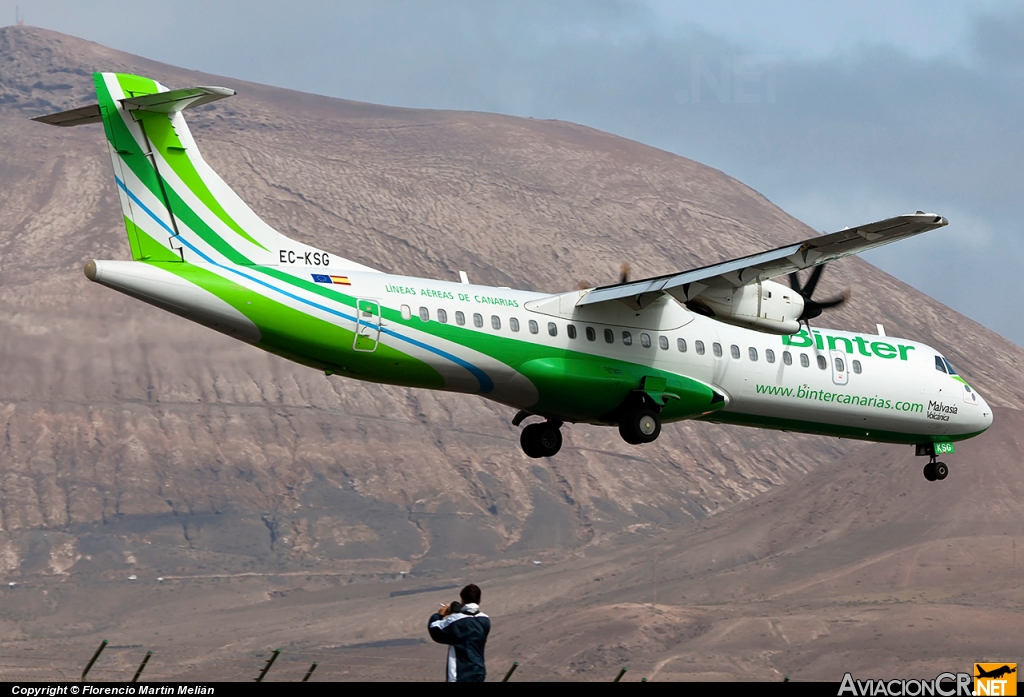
<point x="949" y="367"/>
<point x="940" y="364"/>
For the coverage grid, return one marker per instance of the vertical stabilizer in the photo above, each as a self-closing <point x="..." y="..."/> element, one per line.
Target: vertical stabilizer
<point x="175" y="207"/>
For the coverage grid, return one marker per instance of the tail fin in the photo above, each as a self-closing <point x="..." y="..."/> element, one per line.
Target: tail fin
<point x="176" y="208"/>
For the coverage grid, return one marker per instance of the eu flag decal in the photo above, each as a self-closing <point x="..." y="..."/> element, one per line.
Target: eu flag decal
<point x="332" y="280"/>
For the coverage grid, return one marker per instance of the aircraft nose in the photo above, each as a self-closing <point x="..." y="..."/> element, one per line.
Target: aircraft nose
<point x="985" y="419"/>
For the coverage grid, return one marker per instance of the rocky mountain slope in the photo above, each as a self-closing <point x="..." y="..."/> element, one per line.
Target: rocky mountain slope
<point x="136" y="441"/>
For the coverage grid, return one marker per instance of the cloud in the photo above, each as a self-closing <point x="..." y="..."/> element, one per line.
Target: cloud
<point x="925" y="115"/>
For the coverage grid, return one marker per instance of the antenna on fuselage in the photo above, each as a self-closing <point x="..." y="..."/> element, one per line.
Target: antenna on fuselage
<point x="463" y="278"/>
<point x="880" y="330"/>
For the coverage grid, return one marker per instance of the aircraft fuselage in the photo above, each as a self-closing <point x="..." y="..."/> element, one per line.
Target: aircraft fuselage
<point x="570" y="364"/>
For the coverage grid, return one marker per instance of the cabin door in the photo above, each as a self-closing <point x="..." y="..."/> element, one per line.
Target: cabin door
<point x="367" y="325"/>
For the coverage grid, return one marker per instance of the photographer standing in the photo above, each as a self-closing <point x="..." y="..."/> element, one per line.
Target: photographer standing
<point x="464" y="628"/>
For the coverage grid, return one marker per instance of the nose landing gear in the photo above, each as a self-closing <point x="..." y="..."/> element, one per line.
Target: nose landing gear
<point x="935" y="470"/>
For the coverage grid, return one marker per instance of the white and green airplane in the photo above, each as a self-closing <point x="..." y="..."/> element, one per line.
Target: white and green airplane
<point x="724" y="343"/>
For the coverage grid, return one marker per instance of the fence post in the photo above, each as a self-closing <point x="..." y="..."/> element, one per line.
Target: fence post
<point x="311" y="669"/>
<point x="142" y="666"/>
<point x="92" y="660"/>
<point x="270" y="662"/>
<point x="619" y="676"/>
<point x="510" y="671"/>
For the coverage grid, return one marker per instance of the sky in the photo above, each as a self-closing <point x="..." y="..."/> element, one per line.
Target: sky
<point x="840" y="113"/>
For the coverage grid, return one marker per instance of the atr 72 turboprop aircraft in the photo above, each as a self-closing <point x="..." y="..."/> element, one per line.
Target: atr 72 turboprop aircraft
<point x="723" y="343"/>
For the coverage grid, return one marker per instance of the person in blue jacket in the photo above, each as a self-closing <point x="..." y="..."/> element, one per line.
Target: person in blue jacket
<point x="464" y="628"/>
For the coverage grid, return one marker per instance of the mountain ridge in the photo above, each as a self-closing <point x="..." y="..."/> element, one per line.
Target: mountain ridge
<point x="107" y="402"/>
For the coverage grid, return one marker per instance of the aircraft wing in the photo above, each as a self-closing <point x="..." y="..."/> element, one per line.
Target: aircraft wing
<point x="766" y="265"/>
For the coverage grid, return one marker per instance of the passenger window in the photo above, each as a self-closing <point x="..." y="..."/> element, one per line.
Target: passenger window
<point x="787" y="358"/>
<point x="478" y="320"/>
<point x="840" y="367"/>
<point x="856" y="367"/>
<point x="571" y="331"/>
<point x="752" y="352"/>
<point x="769" y="355"/>
<point x="716" y="348"/>
<point x="460" y="318"/>
<point x="940" y="365"/>
<point x="681" y="345"/>
<point x="699" y="347"/>
<point x="406" y="312"/>
<point x="645" y="339"/>
<point x="609" y="336"/>
<point x="735" y="351"/>
<point x="591" y="334"/>
<point x="663" y="343"/>
<point x="822" y="363"/>
<point x="495" y="322"/>
<point x="513" y="324"/>
<point x="552" y="329"/>
<point x="627" y="338"/>
<point x="805" y="361"/>
<point x="442" y="316"/>
<point x="424" y="314"/>
<point x="533" y="327"/>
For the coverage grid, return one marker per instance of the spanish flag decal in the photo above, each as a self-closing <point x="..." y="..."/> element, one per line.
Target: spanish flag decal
<point x="336" y="280"/>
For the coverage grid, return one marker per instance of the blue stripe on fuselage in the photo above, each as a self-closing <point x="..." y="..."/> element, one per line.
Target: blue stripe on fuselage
<point x="486" y="384"/>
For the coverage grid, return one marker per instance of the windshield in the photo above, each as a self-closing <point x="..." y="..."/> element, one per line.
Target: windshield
<point x="949" y="367"/>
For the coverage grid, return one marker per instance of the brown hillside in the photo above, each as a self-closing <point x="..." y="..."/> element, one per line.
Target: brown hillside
<point x="125" y="426"/>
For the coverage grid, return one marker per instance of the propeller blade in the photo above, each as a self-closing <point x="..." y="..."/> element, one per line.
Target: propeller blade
<point x="833" y="302"/>
<point x="624" y="273"/>
<point x="812" y="282"/>
<point x="794" y="283"/>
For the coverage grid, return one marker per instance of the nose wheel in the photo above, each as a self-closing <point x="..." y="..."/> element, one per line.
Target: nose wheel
<point x="935" y="471"/>
<point x="541" y="440"/>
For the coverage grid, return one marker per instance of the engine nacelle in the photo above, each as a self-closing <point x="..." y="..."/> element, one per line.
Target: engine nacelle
<point x="766" y="306"/>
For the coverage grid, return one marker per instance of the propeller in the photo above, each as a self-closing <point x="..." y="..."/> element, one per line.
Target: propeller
<point x="813" y="308"/>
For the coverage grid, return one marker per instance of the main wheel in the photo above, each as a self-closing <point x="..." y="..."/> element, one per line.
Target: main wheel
<point x="541" y="440"/>
<point x="930" y="473"/>
<point x="941" y="471"/>
<point x="641" y="426"/>
<point x="627" y="433"/>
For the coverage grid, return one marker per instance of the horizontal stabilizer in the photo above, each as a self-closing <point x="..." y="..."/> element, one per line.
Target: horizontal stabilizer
<point x="176" y="100"/>
<point x="75" y="117"/>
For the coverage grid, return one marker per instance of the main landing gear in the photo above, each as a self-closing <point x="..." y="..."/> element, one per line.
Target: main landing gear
<point x="641" y="425"/>
<point x="639" y="418"/>
<point x="541" y="440"/>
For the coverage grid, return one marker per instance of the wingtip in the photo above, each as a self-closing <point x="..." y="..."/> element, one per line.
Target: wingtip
<point x="222" y="91"/>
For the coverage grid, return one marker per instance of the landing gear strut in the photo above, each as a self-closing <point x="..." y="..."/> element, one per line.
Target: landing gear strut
<point x="541" y="440"/>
